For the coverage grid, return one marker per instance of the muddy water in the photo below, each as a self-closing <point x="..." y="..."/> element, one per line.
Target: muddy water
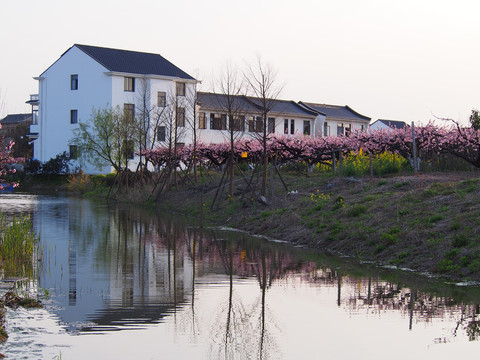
<point x="127" y="283"/>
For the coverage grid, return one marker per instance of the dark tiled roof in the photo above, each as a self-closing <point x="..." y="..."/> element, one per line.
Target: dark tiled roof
<point x="394" y="124"/>
<point x="285" y="107"/>
<point x="16" y="118"/>
<point x="335" y="111"/>
<point x="133" y="62"/>
<point x="252" y="105"/>
<point x="219" y="102"/>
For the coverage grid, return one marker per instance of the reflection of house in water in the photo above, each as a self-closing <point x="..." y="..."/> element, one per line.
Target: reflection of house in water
<point x="104" y="269"/>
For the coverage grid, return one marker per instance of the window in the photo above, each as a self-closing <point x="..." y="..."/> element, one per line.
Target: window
<point x="74" y="82"/>
<point x="255" y="124"/>
<point x="129" y="84"/>
<point x="73" y="151"/>
<point x="292" y="126"/>
<point x="271" y="125"/>
<point x="348" y="129"/>
<point x="129" y="111"/>
<point x="161" y="133"/>
<point x="161" y="98"/>
<point x="73" y="116"/>
<point x="180" y="116"/>
<point x="237" y="123"/>
<point x="326" y="129"/>
<point x="362" y="127"/>
<point x="340" y="129"/>
<point x="128" y="149"/>
<point x="180" y="89"/>
<point x="202" y="121"/>
<point x="306" y="127"/>
<point x="285" y="126"/>
<point x="218" y="121"/>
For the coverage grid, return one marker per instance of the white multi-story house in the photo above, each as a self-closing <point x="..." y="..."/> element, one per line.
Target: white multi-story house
<point x="85" y="78"/>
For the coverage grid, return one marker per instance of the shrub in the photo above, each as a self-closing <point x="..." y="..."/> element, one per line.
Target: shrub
<point x="59" y="165"/>
<point x="356" y="210"/>
<point x="79" y="182"/>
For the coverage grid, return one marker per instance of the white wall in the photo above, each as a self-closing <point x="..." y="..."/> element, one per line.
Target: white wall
<point x="57" y="99"/>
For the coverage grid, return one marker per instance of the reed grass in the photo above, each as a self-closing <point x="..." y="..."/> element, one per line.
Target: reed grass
<point x="17" y="246"/>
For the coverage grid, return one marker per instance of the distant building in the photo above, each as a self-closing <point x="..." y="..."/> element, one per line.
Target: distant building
<point x="15" y="127"/>
<point x="338" y="120"/>
<point x="388" y="124"/>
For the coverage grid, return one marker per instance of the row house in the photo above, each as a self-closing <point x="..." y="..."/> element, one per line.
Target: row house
<point x="284" y="117"/>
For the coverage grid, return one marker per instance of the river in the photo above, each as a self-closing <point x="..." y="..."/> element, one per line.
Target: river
<point x="122" y="282"/>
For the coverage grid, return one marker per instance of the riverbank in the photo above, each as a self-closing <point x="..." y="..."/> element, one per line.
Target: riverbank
<point x="427" y="222"/>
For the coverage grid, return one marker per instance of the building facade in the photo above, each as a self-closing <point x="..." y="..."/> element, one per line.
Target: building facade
<point x="88" y="78"/>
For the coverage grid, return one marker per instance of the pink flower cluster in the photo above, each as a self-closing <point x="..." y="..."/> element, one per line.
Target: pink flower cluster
<point x="431" y="138"/>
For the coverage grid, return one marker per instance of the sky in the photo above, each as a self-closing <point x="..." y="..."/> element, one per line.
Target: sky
<point x="410" y="60"/>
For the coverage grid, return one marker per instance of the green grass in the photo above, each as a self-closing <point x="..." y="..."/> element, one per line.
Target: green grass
<point x="17" y="245"/>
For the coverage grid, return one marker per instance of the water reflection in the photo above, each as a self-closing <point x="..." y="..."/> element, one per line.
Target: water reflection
<point x="124" y="268"/>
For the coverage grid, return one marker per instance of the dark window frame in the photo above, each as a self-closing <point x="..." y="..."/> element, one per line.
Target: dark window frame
<point x="306" y="127"/>
<point x="218" y="121"/>
<point x="292" y="126"/>
<point x="271" y="125"/>
<point x="180" y="116"/>
<point x="73" y="151"/>
<point x="129" y="84"/>
<point x="74" y="82"/>
<point x="74" y="116"/>
<point x="180" y="88"/>
<point x="161" y="98"/>
<point x="161" y="133"/>
<point x="129" y="111"/>
<point x="202" y="120"/>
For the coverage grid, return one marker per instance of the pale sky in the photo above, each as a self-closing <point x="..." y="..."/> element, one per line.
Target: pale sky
<point x="405" y="60"/>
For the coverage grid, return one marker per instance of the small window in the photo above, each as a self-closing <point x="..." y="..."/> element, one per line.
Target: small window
<point x="218" y="121"/>
<point x="73" y="116"/>
<point x="74" y="82"/>
<point x="340" y="129"/>
<point x="348" y="129"/>
<point x="237" y="123"/>
<point x="292" y="126"/>
<point x="129" y="84"/>
<point x="161" y="133"/>
<point x="180" y="116"/>
<point x="161" y="99"/>
<point x="326" y="129"/>
<point x="285" y="126"/>
<point x="202" y="121"/>
<point x="180" y="89"/>
<point x="129" y="111"/>
<point x="73" y="151"/>
<point x="128" y="149"/>
<point x="271" y="125"/>
<point x="306" y="127"/>
<point x="255" y="124"/>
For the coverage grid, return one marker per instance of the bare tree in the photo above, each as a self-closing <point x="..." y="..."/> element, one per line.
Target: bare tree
<point x="192" y="121"/>
<point x="229" y="98"/>
<point x="262" y="84"/>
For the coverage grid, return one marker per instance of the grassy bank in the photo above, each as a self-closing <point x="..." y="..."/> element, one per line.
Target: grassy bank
<point x="427" y="222"/>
